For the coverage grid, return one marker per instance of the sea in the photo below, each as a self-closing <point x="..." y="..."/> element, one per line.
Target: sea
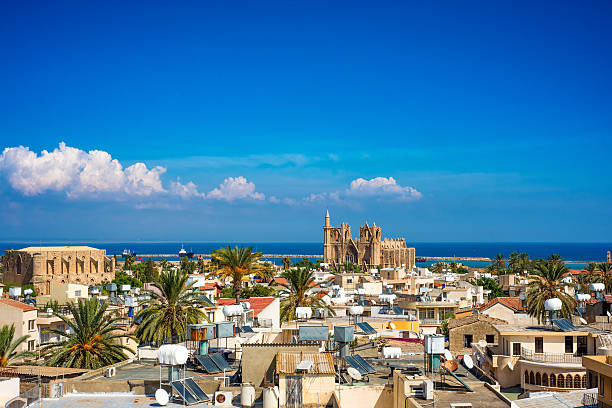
<point x="578" y="254"/>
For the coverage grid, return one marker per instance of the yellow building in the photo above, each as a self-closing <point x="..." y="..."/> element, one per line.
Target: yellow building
<point x="599" y="372"/>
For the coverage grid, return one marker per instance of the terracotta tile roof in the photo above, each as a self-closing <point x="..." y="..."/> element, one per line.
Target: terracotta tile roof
<point x="258" y="304"/>
<point x="19" y="305"/>
<point x="512" y="302"/>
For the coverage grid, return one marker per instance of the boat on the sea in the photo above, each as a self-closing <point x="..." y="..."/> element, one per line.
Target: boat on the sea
<point x="420" y="259"/>
<point x="127" y="252"/>
<point x="183" y="252"/>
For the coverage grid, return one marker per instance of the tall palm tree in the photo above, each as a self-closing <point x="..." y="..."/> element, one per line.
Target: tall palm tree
<point x="92" y="341"/>
<point x="605" y="268"/>
<point x="545" y="283"/>
<point x="286" y="263"/>
<point x="236" y="263"/>
<point x="524" y="262"/>
<point x="9" y="345"/>
<point x="498" y="265"/>
<point x="266" y="271"/>
<point x="299" y="283"/>
<point x="172" y="307"/>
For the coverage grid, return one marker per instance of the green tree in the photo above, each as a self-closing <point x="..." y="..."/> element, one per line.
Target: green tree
<point x="93" y="341"/>
<point x="266" y="272"/>
<point x="546" y="282"/>
<point x="448" y="316"/>
<point x="299" y="282"/>
<point x="9" y="345"/>
<point x="438" y="267"/>
<point x="164" y="264"/>
<point x="497" y="266"/>
<point x="605" y="269"/>
<point x="255" y="291"/>
<point x="129" y="261"/>
<point x="150" y="271"/>
<point x="187" y="265"/>
<point x="201" y="266"/>
<point x="122" y="278"/>
<point x="286" y="263"/>
<point x="490" y="284"/>
<point x="236" y="263"/>
<point x="172" y="307"/>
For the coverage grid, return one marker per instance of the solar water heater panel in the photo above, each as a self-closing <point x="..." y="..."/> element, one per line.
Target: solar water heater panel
<point x="220" y="362"/>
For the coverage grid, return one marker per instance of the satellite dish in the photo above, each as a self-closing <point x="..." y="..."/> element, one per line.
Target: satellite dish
<point x="583" y="321"/>
<point x="482" y="343"/>
<point x="468" y="362"/>
<point x="354" y="373"/>
<point x="392" y="325"/>
<point x="161" y="397"/>
<point x="608" y="312"/>
<point x="510" y="366"/>
<point x="447" y="355"/>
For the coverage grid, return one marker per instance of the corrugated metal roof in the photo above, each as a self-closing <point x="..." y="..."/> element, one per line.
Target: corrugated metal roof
<point x="323" y="363"/>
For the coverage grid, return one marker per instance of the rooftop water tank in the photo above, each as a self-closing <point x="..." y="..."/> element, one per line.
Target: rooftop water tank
<point x="583" y="297"/>
<point x="232" y="310"/>
<point x="172" y="354"/>
<point x="597" y="287"/>
<point x="553" y="304"/>
<point x="355" y="310"/>
<point x="303" y="312"/>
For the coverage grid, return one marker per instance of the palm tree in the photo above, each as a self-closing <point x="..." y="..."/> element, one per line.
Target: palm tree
<point x="9" y="345"/>
<point x="299" y="283"/>
<point x="92" y="341"/>
<point x="513" y="262"/>
<point x="546" y="283"/>
<point x="236" y="263"/>
<point x="172" y="307"/>
<point x="498" y="265"/>
<point x="286" y="263"/>
<point x="266" y="271"/>
<point x="524" y="262"/>
<point x="605" y="268"/>
<point x="437" y="267"/>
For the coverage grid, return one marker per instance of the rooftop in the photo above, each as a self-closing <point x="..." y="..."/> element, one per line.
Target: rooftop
<point x="323" y="363"/>
<point x="258" y="304"/>
<point x="512" y="302"/>
<point x="16" y="304"/>
<point x="58" y="248"/>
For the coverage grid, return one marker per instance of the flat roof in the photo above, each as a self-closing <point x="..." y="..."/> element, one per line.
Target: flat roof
<point x="517" y="329"/>
<point x="58" y="248"/>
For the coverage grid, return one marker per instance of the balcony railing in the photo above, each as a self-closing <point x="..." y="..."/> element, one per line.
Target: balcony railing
<point x="430" y="321"/>
<point x="550" y="357"/>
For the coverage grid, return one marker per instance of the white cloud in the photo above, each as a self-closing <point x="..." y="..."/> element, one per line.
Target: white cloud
<point x="382" y="186"/>
<point x="185" y="191"/>
<point x="234" y="188"/>
<point x="76" y="172"/>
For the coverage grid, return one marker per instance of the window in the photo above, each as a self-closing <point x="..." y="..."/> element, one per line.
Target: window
<point x="601" y="385"/>
<point x="561" y="381"/>
<point x="553" y="380"/>
<point x="467" y="340"/>
<point x="490" y="338"/>
<point x="569" y="344"/>
<point x="211" y="316"/>
<point x="538" y="379"/>
<point x="31" y="325"/>
<point x="349" y="280"/>
<point x="539" y="344"/>
<point x="545" y="380"/>
<point x="577" y="381"/>
<point x="516" y="349"/>
<point x="526" y="377"/>
<point x="31" y="345"/>
<point x="77" y="293"/>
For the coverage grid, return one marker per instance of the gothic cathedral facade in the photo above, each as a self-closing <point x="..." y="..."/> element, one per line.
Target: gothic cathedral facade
<point x="368" y="251"/>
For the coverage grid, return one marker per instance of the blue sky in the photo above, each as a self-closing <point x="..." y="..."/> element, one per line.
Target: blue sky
<point x="441" y="121"/>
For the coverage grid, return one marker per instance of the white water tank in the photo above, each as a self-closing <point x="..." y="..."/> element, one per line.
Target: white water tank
<point x="392" y="352"/>
<point x="553" y="304"/>
<point x="355" y="310"/>
<point x="386" y="297"/>
<point x="15" y="291"/>
<point x="247" y="395"/>
<point x="583" y="297"/>
<point x="270" y="397"/>
<point x="125" y="288"/>
<point x="246" y="305"/>
<point x="172" y="354"/>
<point x="232" y="310"/>
<point x="303" y="312"/>
<point x="597" y="287"/>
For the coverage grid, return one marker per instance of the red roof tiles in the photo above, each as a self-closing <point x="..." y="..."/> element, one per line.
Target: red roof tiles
<point x="19" y="305"/>
<point x="258" y="304"/>
<point x="513" y="302"/>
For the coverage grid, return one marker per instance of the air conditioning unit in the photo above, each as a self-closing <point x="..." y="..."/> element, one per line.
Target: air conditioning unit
<point x="223" y="398"/>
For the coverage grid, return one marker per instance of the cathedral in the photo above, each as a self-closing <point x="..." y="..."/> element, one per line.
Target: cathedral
<point x="368" y="251"/>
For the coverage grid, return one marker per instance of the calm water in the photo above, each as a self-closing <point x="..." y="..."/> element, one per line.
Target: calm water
<point x="569" y="251"/>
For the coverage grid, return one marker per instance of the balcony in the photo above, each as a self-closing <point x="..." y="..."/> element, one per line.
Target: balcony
<point x="559" y="358"/>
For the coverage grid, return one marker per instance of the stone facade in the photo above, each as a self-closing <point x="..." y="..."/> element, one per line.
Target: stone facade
<point x="68" y="264"/>
<point x="368" y="251"/>
<point x="476" y="328"/>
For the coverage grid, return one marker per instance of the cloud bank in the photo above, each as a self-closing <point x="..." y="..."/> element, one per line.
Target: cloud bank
<point x="96" y="174"/>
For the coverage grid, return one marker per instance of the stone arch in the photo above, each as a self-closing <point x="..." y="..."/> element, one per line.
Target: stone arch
<point x="553" y="380"/>
<point x="538" y="379"/>
<point x="569" y="383"/>
<point x="545" y="380"/>
<point x="526" y="377"/>
<point x="577" y="381"/>
<point x="584" y="381"/>
<point x="531" y="378"/>
<point x="561" y="381"/>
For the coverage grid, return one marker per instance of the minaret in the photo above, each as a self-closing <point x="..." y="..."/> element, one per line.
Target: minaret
<point x="608" y="257"/>
<point x="326" y="239"/>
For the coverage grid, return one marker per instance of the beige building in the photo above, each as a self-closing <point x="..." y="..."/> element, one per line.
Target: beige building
<point x="472" y="329"/>
<point x="368" y="251"/>
<point x="63" y="293"/>
<point x="41" y="266"/>
<point x="599" y="374"/>
<point x="538" y="358"/>
<point x="23" y="317"/>
<point x="313" y="386"/>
